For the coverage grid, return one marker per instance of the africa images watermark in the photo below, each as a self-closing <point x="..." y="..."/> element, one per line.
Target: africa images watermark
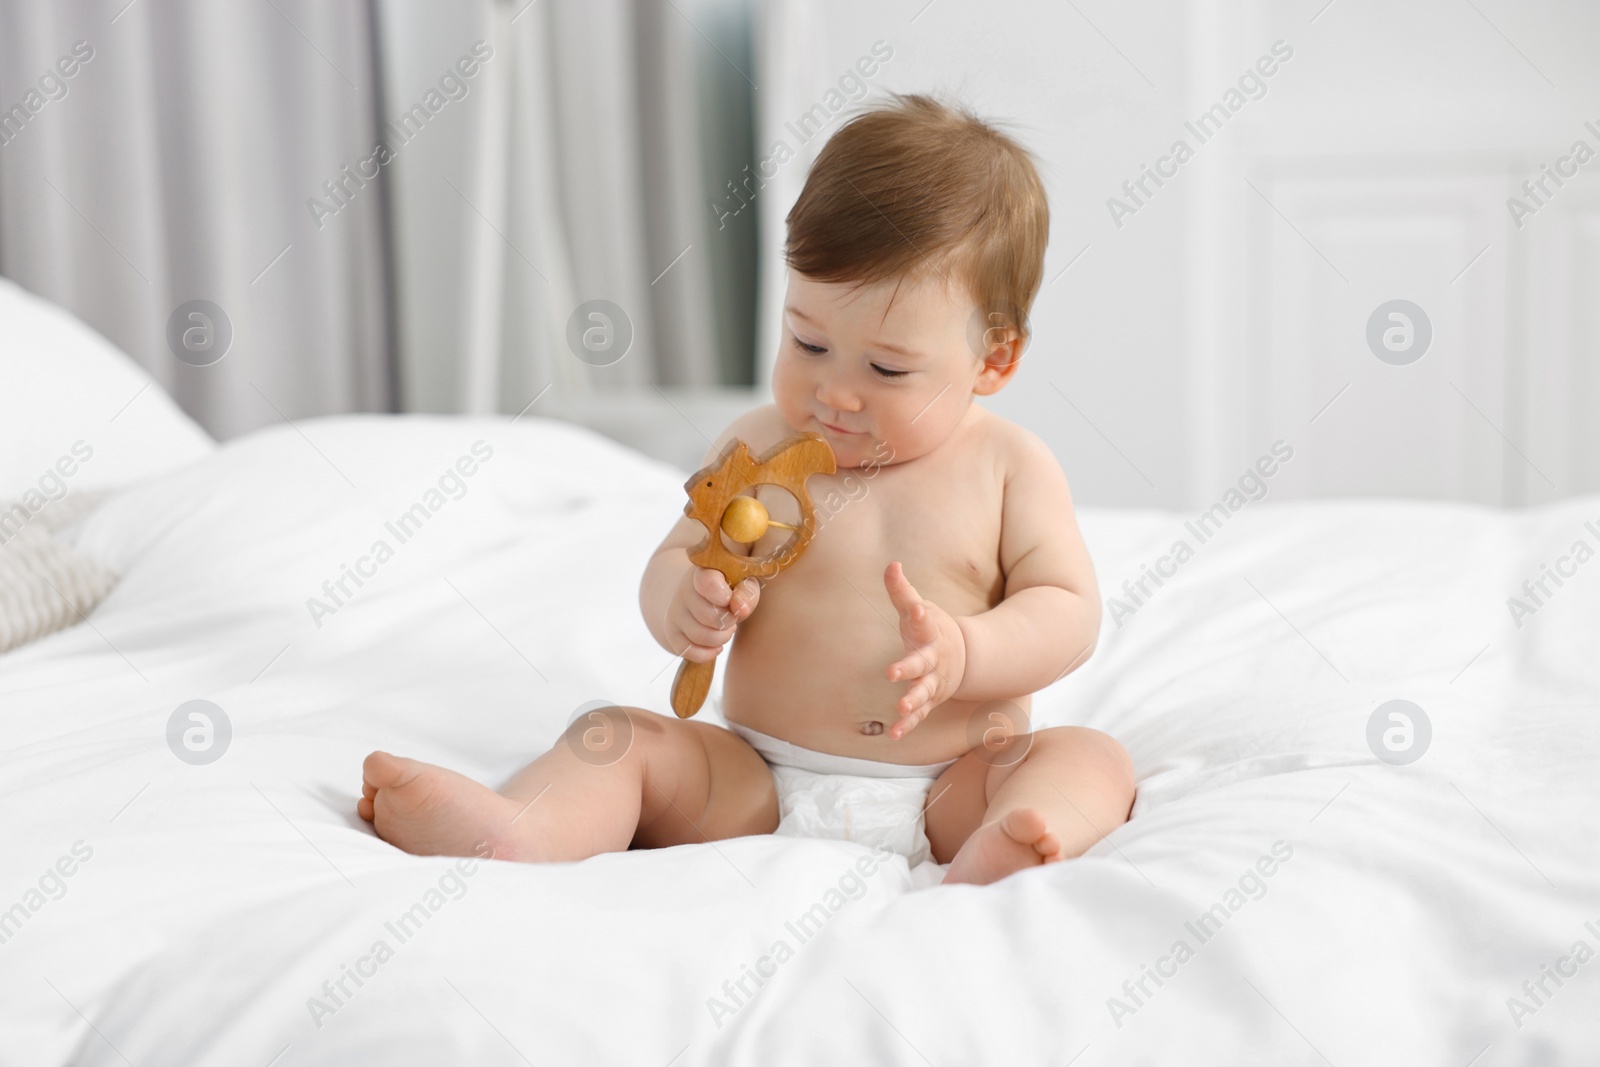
<point x="52" y="886"/>
<point x="1252" y="486"/>
<point x="402" y="528"/>
<point x="1536" y="591"/>
<point x="849" y="886"/>
<point x="1536" y="992"/>
<point x="1579" y="154"/>
<point x="52" y="87"/>
<point x="454" y="84"/>
<point x="199" y="732"/>
<point x="52" y="486"/>
<point x="812" y="121"/>
<point x="451" y="885"/>
<point x="1252" y="85"/>
<point x="1136" y="992"/>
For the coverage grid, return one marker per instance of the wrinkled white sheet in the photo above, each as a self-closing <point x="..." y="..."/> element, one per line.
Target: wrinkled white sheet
<point x="216" y="900"/>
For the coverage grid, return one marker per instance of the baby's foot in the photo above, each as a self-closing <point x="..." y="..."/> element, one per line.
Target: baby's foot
<point x="1021" y="838"/>
<point x="430" y="811"/>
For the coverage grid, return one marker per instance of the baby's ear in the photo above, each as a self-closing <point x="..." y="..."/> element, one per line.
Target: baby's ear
<point x="1001" y="357"/>
<point x="994" y="337"/>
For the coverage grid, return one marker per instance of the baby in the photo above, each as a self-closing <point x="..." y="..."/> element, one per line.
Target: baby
<point x="877" y="690"/>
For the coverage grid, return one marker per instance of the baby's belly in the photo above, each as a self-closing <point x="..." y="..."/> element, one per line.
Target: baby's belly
<point x="811" y="670"/>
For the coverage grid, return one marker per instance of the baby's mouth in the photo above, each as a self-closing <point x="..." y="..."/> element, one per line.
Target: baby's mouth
<point x="841" y="431"/>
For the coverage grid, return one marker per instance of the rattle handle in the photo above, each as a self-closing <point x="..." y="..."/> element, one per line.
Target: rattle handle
<point x="690" y="686"/>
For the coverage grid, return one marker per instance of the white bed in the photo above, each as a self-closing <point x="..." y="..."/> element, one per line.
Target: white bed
<point x="216" y="900"/>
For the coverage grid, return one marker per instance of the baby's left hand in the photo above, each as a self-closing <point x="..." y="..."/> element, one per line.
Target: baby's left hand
<point x="938" y="658"/>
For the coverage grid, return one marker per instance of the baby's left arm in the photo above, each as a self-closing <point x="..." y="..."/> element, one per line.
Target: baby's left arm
<point x="1047" y="622"/>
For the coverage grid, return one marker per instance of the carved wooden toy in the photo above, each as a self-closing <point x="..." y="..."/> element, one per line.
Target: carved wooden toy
<point x="714" y="503"/>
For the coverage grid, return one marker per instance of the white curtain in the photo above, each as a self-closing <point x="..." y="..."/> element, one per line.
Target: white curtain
<point x="224" y="151"/>
<point x="793" y="58"/>
<point x="580" y="163"/>
<point x="178" y="162"/>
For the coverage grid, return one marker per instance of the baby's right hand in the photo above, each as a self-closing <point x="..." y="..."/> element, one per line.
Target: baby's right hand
<point x="705" y="612"/>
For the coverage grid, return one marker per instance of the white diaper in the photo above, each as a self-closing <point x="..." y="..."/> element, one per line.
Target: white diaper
<point x="845" y="798"/>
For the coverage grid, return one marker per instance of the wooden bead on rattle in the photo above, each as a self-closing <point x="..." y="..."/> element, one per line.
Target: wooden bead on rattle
<point x="746" y="520"/>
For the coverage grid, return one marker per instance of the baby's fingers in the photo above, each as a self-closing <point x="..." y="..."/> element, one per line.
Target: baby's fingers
<point x="919" y="696"/>
<point x="901" y="592"/>
<point x="915" y="620"/>
<point x="909" y="722"/>
<point x="701" y="653"/>
<point x="709" y="636"/>
<point x="917" y="664"/>
<point x="712" y="585"/>
<point x="704" y="613"/>
<point x="745" y="598"/>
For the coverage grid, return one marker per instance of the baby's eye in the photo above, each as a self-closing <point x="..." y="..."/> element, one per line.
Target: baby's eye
<point x="885" y="372"/>
<point x="813" y="349"/>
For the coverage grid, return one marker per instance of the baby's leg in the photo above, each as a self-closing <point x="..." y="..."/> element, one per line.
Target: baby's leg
<point x="1037" y="798"/>
<point x="617" y="777"/>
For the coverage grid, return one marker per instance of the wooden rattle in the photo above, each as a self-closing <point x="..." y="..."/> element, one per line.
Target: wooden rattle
<point x="715" y="504"/>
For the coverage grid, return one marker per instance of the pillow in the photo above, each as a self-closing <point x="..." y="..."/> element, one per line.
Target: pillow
<point x="45" y="584"/>
<point x="76" y="414"/>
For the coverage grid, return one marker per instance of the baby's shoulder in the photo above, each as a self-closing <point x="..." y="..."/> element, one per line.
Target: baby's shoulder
<point x="1016" y="448"/>
<point x="759" y="428"/>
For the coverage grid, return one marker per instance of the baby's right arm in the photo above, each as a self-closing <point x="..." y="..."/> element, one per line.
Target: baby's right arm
<point x="690" y="610"/>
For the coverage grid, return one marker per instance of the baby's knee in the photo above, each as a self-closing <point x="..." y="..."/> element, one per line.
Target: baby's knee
<point x="1101" y="748"/>
<point x="605" y="736"/>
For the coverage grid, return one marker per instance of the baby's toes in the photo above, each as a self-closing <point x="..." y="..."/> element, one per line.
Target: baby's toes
<point x="364" y="808"/>
<point x="383" y="771"/>
<point x="1024" y="826"/>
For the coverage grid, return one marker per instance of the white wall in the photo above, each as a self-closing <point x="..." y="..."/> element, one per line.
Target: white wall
<point x="1231" y="308"/>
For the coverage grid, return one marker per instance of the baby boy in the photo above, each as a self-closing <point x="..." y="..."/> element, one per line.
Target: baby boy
<point x="878" y="689"/>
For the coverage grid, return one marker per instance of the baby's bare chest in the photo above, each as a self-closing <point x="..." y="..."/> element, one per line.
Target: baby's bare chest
<point x="943" y="523"/>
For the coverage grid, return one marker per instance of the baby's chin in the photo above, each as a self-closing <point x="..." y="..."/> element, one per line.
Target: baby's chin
<point x="863" y="452"/>
<point x="850" y="451"/>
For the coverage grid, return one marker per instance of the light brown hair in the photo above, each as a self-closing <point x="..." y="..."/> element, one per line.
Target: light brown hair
<point x="915" y="186"/>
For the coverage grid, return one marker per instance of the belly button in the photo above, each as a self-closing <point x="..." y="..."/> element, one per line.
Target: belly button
<point x="873" y="727"/>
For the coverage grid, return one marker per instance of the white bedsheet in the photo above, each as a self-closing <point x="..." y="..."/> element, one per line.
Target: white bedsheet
<point x="218" y="899"/>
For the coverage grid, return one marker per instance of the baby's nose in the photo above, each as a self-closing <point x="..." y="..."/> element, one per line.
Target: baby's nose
<point x="838" y="398"/>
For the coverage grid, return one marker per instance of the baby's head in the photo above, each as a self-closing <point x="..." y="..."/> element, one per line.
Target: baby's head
<point x="915" y="251"/>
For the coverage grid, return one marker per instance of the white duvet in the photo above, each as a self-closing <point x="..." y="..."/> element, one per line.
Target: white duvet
<point x="1281" y="896"/>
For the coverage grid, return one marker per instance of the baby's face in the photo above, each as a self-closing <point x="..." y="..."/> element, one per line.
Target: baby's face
<point x="866" y="375"/>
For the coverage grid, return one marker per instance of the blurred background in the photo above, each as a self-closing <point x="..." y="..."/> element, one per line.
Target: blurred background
<point x="413" y="206"/>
